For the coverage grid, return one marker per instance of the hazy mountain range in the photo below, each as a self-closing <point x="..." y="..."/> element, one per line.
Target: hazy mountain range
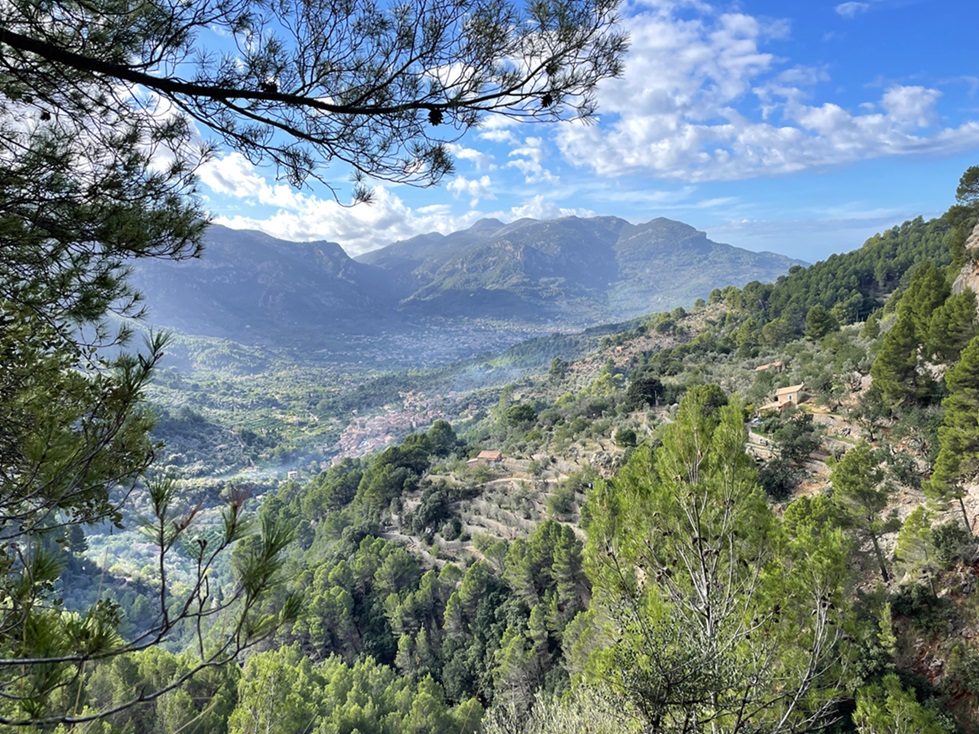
<point x="532" y="275"/>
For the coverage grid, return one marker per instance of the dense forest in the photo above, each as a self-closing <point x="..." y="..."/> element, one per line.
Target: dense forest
<point x="658" y="546"/>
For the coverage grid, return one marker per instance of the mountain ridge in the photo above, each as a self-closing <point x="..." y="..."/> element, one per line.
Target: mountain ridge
<point x="536" y="275"/>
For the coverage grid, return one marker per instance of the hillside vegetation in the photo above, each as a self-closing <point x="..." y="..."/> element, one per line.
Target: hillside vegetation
<point x="657" y="546"/>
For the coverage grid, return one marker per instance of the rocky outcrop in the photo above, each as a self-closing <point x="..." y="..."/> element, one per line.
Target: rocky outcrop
<point x="969" y="277"/>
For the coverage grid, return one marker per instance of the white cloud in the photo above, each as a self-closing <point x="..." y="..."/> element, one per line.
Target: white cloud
<point x="303" y="217"/>
<point x="232" y="175"/>
<point x="529" y="160"/>
<point x="540" y="207"/>
<point x="497" y="136"/>
<point x="361" y="228"/>
<point x="852" y="9"/>
<point x="475" y="189"/>
<point x="480" y="159"/>
<point x="911" y="107"/>
<point x="700" y="101"/>
<point x="497" y="129"/>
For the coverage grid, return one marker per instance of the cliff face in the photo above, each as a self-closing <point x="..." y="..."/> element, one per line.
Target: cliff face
<point x="969" y="277"/>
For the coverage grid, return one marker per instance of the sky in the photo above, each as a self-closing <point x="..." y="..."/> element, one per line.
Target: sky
<point x="799" y="127"/>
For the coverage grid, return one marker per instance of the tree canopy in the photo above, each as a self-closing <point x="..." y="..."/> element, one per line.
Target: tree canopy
<point x="379" y="87"/>
<point x="102" y="105"/>
<point x="699" y="593"/>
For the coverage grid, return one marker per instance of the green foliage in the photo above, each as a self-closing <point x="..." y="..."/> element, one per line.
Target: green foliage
<point x="645" y="389"/>
<point x="917" y="604"/>
<point x="861" y="492"/>
<point x="695" y="595"/>
<point x="777" y="479"/>
<point x="819" y="323"/>
<point x="849" y="286"/>
<point x="953" y="544"/>
<point x="332" y="490"/>
<point x="952" y="326"/>
<point x="896" y="371"/>
<point x="915" y="545"/>
<point x="625" y="437"/>
<point x="558" y="370"/>
<point x="582" y="710"/>
<point x="958" y="436"/>
<point x="871" y="328"/>
<point x="967" y="192"/>
<point x="962" y="670"/>
<point x="917" y="427"/>
<point x="926" y="292"/>
<point x="608" y="384"/>
<point x="795" y="437"/>
<point x="76" y="435"/>
<point x="201" y="706"/>
<point x="521" y="414"/>
<point x="443" y="439"/>
<point x="410" y="647"/>
<point x="393" y="473"/>
<point x="83" y="193"/>
<point x="561" y="502"/>
<point x="888" y="707"/>
<point x="432" y="511"/>
<point x="283" y="692"/>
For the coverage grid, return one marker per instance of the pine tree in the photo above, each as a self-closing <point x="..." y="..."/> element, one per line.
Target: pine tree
<point x="888" y="707"/>
<point x="896" y="370"/>
<point x="871" y="328"/>
<point x="915" y="547"/>
<point x="861" y="492"/>
<point x="952" y="326"/>
<point x="819" y="323"/>
<point x="313" y="83"/>
<point x="958" y="436"/>
<point x="927" y="291"/>
<point x="715" y="618"/>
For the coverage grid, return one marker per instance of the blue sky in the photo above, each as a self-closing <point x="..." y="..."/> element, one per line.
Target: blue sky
<point x="800" y="127"/>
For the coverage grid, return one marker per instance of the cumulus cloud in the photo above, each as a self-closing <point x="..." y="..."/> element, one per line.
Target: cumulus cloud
<point x="302" y="217"/>
<point x="497" y="129"/>
<point x="232" y="175"/>
<point x="540" y="207"/>
<point x="529" y="160"/>
<point x="475" y="189"/>
<point x="852" y="9"/>
<point x="700" y="100"/>
<point x="480" y="159"/>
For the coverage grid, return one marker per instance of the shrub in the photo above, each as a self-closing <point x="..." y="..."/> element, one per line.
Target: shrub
<point x="953" y="543"/>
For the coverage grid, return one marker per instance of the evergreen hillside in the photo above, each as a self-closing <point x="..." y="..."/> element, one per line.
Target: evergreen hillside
<point x="658" y="548"/>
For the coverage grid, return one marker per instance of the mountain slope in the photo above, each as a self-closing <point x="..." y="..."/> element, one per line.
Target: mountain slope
<point x="249" y="281"/>
<point x="528" y="276"/>
<point x="579" y="270"/>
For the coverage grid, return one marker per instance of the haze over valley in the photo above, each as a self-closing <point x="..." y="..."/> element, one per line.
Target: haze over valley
<point x="439" y="298"/>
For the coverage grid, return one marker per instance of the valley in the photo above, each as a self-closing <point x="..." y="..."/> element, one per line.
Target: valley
<point x="438" y="299"/>
<point x="436" y="512"/>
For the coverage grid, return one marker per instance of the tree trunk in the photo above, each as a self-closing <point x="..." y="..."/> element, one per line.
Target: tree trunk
<point x="965" y="515"/>
<point x="880" y="558"/>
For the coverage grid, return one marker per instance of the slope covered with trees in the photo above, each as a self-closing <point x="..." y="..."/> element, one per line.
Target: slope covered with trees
<point x="658" y="549"/>
<point x="616" y="543"/>
<point x="98" y="148"/>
